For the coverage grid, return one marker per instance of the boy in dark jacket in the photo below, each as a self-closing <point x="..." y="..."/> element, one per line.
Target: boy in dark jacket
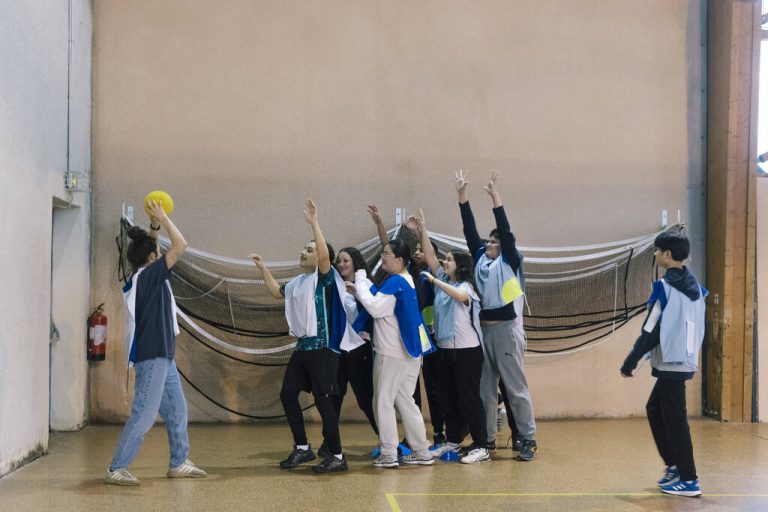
<point x="673" y="333"/>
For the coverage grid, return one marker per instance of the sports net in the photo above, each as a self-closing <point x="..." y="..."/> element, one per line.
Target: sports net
<point x="234" y="340"/>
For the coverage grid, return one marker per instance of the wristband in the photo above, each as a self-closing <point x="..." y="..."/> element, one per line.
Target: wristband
<point x="153" y="228"/>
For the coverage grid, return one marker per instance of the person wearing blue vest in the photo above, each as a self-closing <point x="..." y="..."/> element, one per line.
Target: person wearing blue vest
<point x="458" y="335"/>
<point x="673" y="333"/>
<point x="501" y="283"/>
<point x="151" y="330"/>
<point x="315" y="313"/>
<point x="426" y="295"/>
<point x="399" y="340"/>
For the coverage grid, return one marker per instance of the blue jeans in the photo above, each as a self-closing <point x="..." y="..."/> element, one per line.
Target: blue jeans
<point x="158" y="389"/>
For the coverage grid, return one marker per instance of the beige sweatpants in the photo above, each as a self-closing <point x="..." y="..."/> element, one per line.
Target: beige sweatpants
<point x="394" y="381"/>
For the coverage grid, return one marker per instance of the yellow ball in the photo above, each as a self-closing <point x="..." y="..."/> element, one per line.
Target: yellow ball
<point x="160" y="197"/>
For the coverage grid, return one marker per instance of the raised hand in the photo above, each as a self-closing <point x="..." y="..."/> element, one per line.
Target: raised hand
<point x="422" y="220"/>
<point x="412" y="223"/>
<point x="491" y="186"/>
<point x="310" y="211"/>
<point x="375" y="214"/>
<point x="258" y="261"/>
<point x="461" y="180"/>
<point x="273" y="287"/>
<point x="155" y="212"/>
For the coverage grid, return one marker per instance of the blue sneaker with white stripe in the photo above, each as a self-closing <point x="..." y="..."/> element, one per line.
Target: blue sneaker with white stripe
<point x="689" y="488"/>
<point x="671" y="476"/>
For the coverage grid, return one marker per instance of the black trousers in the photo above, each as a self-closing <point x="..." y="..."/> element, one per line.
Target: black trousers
<point x="459" y="372"/>
<point x="668" y="417"/>
<point x="510" y="415"/>
<point x="316" y="371"/>
<point x="430" y="370"/>
<point x="356" y="369"/>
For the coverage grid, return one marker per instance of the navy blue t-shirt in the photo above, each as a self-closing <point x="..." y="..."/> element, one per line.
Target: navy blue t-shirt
<point x="154" y="314"/>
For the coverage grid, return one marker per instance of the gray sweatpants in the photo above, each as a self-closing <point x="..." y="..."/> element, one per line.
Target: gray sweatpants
<point x="504" y="344"/>
<point x="394" y="381"/>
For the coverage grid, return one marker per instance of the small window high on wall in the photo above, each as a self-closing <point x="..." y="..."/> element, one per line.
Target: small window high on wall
<point x="762" y="115"/>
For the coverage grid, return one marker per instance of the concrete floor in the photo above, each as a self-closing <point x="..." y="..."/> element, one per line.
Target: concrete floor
<point x="583" y="465"/>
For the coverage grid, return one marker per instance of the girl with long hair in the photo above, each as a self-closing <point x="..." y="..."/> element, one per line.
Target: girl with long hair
<point x="458" y="336"/>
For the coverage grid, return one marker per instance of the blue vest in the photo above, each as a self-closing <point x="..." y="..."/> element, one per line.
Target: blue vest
<point x="412" y="329"/>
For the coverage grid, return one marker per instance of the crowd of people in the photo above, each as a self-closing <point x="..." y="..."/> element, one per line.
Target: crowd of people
<point x="458" y="321"/>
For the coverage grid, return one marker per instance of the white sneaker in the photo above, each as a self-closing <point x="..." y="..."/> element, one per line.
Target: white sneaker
<point x="423" y="458"/>
<point x="476" y="455"/>
<point x="120" y="477"/>
<point x="437" y="451"/>
<point x="186" y="470"/>
<point x="386" y="461"/>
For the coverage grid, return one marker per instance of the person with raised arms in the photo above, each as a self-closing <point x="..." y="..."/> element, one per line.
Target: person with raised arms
<point x="460" y="358"/>
<point x="500" y="283"/>
<point x="151" y="330"/>
<point x="315" y="313"/>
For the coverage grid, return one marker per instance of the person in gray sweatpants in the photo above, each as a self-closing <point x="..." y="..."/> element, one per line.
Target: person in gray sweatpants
<point x="500" y="282"/>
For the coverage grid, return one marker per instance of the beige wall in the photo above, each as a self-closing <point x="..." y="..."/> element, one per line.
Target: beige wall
<point x="590" y="110"/>
<point x="45" y="106"/>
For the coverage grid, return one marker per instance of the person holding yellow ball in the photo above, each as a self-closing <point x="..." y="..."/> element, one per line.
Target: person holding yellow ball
<point x="500" y="283"/>
<point x="151" y="330"/>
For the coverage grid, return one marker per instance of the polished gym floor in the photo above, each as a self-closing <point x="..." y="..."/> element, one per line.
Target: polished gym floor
<point x="582" y="465"/>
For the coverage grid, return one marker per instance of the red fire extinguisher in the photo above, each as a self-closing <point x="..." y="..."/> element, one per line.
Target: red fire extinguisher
<point x="97" y="335"/>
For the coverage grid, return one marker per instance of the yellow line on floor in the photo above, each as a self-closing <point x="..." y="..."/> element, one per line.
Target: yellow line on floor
<point x="395" y="507"/>
<point x="392" y="502"/>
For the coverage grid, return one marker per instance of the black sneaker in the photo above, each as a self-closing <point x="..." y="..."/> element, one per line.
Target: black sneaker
<point x="438" y="438"/>
<point x="517" y="444"/>
<point x="491" y="446"/>
<point x="324" y="452"/>
<point x="298" y="456"/>
<point x="527" y="449"/>
<point x="331" y="465"/>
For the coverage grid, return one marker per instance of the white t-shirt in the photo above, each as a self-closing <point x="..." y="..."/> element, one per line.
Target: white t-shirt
<point x="464" y="335"/>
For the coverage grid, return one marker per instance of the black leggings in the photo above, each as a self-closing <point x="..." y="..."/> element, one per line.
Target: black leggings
<point x="510" y="416"/>
<point x="356" y="368"/>
<point x="460" y="370"/>
<point x="316" y="371"/>
<point x="432" y="384"/>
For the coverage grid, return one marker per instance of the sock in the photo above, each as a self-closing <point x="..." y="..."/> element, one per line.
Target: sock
<point x="304" y="447"/>
<point x="339" y="456"/>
